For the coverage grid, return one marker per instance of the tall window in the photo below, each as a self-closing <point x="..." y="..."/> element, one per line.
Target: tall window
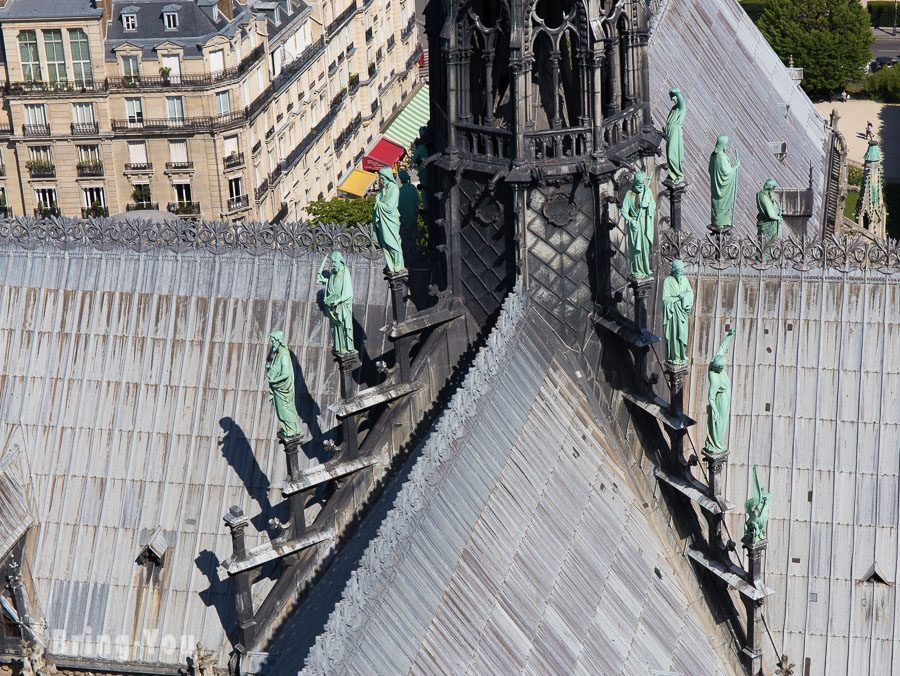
<point x="39" y="154"/>
<point x="83" y="113"/>
<point x="216" y="61"/>
<point x="231" y="145"/>
<point x="173" y="64"/>
<point x="56" y="57"/>
<point x="93" y="197"/>
<point x="183" y="193"/>
<point x="223" y="103"/>
<point x="46" y="198"/>
<point x="89" y="154"/>
<point x="31" y="60"/>
<point x="131" y="69"/>
<point x="235" y="188"/>
<point x="141" y="194"/>
<point x="178" y="150"/>
<point x="81" y="57"/>
<point x="245" y="92"/>
<point x="129" y="22"/>
<point x="35" y="115"/>
<point x="175" y="107"/>
<point x="134" y="111"/>
<point x="137" y="152"/>
<point x="170" y="19"/>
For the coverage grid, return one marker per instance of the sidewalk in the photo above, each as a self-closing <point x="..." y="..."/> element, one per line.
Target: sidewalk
<point x="886" y="119"/>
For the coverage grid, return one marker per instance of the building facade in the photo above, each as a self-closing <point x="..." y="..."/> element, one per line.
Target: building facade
<point x="204" y="108"/>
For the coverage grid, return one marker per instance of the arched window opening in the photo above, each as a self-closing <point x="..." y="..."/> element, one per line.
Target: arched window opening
<point x="486" y="100"/>
<point x="558" y="73"/>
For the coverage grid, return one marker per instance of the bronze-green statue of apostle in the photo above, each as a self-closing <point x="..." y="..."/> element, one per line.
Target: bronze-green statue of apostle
<point x="757" y="512"/>
<point x="639" y="210"/>
<point x="675" y="137"/>
<point x="677" y="299"/>
<point x="280" y="375"/>
<point x="338" y="302"/>
<point x="718" y="408"/>
<point x="723" y="178"/>
<point x="768" y="218"/>
<point x="386" y="220"/>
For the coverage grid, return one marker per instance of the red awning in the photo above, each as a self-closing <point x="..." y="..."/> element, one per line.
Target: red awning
<point x="384" y="154"/>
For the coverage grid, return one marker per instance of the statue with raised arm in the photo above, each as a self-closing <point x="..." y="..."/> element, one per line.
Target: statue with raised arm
<point x="768" y="218"/>
<point x="280" y="374"/>
<point x="723" y="178"/>
<point x="757" y="512"/>
<point x="675" y="137"/>
<point x="639" y="210"/>
<point x="386" y="220"/>
<point x="338" y="302"/>
<point x="677" y="299"/>
<point x="718" y="408"/>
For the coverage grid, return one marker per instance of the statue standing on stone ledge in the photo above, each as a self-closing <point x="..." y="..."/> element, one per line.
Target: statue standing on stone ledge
<point x="677" y="299"/>
<point x="386" y="221"/>
<point x="639" y="210"/>
<point x="338" y="302"/>
<point x="718" y="408"/>
<point x="757" y="512"/>
<point x="675" y="137"/>
<point x="769" y="218"/>
<point x="280" y="374"/>
<point x="723" y="178"/>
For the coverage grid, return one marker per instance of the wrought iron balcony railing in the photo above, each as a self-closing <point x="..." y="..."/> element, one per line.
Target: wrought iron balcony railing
<point x="340" y="19"/>
<point x="181" y="124"/>
<point x="89" y="168"/>
<point x="94" y="212"/>
<point x="47" y="212"/>
<point x="85" y="128"/>
<point x="184" y="208"/>
<point x="139" y="166"/>
<point x="36" y="130"/>
<point x="179" y="166"/>
<point x="239" y="202"/>
<point x="40" y="169"/>
<point x="233" y="160"/>
<point x="142" y="206"/>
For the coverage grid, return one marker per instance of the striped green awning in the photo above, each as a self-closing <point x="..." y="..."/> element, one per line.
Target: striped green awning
<point x="405" y="129"/>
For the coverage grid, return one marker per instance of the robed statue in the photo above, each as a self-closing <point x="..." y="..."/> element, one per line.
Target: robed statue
<point x="675" y="137"/>
<point x="677" y="299"/>
<point x="718" y="407"/>
<point x="768" y="218"/>
<point x="386" y="220"/>
<point x="757" y="508"/>
<point x="280" y="374"/>
<point x="338" y="302"/>
<point x="723" y="176"/>
<point x="639" y="210"/>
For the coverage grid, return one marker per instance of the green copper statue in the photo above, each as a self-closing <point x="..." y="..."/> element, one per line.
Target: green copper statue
<point x="723" y="184"/>
<point x="768" y="220"/>
<point x="757" y="512"/>
<point x="639" y="209"/>
<point x="280" y="374"/>
<point x="677" y="299"/>
<point x="386" y="220"/>
<point x="718" y="408"/>
<point x="675" y="137"/>
<point x="338" y="302"/>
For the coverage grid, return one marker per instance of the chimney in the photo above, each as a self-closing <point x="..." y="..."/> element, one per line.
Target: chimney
<point x="105" y="5"/>
<point x="226" y="8"/>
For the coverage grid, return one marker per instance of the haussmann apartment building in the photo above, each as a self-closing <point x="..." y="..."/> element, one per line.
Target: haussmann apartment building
<point x="217" y="109"/>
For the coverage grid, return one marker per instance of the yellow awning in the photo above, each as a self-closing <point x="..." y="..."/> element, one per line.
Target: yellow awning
<point x="357" y="182"/>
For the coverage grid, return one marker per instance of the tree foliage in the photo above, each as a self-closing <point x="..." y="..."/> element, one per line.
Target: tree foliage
<point x="345" y="210"/>
<point x="884" y="85"/>
<point x="829" y="39"/>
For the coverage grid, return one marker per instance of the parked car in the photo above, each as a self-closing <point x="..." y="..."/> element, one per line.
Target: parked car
<point x="880" y="62"/>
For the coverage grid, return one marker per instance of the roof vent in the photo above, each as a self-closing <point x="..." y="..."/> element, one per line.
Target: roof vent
<point x="874" y="575"/>
<point x="153" y="549"/>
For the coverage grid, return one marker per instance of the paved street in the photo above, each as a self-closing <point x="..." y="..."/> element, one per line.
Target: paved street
<point x="885" y="43"/>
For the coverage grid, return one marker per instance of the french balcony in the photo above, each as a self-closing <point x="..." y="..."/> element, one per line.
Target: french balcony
<point x="85" y="129"/>
<point x="142" y="206"/>
<point x="89" y="169"/>
<point x="94" y="212"/>
<point x="41" y="169"/>
<point x="139" y="167"/>
<point x="47" y="212"/>
<point x="179" y="166"/>
<point x="53" y="88"/>
<point x="36" y="130"/>
<point x="184" y="208"/>
<point x="238" y="203"/>
<point x="233" y="161"/>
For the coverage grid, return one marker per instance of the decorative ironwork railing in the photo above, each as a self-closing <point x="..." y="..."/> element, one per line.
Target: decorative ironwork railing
<point x="233" y="160"/>
<point x="89" y="168"/>
<point x="179" y="166"/>
<point x="85" y="128"/>
<point x="239" y="202"/>
<point x="846" y="253"/>
<point x="340" y="19"/>
<point x="217" y="237"/>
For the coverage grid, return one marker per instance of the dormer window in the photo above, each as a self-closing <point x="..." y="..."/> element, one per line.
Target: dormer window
<point x="170" y="19"/>
<point x="129" y="22"/>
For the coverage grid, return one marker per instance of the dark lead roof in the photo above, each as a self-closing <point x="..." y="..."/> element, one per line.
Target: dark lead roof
<point x="39" y="9"/>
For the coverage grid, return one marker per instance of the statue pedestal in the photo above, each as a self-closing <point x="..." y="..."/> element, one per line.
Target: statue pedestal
<point x="715" y="466"/>
<point x="676" y="193"/>
<point x="347" y="362"/>
<point x="297" y="501"/>
<point x="237" y="523"/>
<point x="398" y="282"/>
<point x="675" y="374"/>
<point x="641" y="288"/>
<point x="753" y="647"/>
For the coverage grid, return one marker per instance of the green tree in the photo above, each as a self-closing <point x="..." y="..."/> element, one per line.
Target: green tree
<point x="829" y="39"/>
<point x="342" y="210"/>
<point x="884" y="85"/>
